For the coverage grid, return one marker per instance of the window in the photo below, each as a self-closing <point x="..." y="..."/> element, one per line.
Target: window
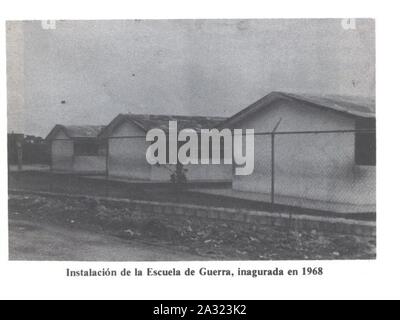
<point x="86" y="148"/>
<point x="365" y="148"/>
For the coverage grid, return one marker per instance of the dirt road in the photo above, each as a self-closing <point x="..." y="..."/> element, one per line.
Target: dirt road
<point x="46" y="242"/>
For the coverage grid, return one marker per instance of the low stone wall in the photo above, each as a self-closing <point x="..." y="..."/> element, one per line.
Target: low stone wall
<point x="295" y="222"/>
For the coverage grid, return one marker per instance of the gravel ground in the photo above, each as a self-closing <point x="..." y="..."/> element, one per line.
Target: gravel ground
<point x="194" y="238"/>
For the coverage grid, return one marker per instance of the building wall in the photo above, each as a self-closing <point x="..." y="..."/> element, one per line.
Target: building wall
<point x="127" y="159"/>
<point x="127" y="156"/>
<point x="63" y="159"/>
<point x="62" y="152"/>
<point x="89" y="164"/>
<point x="217" y="172"/>
<point x="312" y="166"/>
<point x="195" y="172"/>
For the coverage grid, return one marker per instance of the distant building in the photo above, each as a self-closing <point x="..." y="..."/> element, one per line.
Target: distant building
<point x="15" y="143"/>
<point x="127" y="148"/>
<point x="77" y="149"/>
<point x="332" y="167"/>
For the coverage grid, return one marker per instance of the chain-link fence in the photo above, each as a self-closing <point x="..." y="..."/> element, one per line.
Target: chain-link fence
<point x="313" y="168"/>
<point x="304" y="168"/>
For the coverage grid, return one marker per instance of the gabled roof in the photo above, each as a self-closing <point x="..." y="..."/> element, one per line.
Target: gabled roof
<point x="351" y="106"/>
<point x="147" y="122"/>
<point x="76" y="132"/>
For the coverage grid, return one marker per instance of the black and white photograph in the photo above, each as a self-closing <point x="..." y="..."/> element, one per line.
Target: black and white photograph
<point x="199" y="157"/>
<point x="191" y="139"/>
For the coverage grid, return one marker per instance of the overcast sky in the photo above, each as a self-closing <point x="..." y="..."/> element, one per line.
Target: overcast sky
<point x="86" y="72"/>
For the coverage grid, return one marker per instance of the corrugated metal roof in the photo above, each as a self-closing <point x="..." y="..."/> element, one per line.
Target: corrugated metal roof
<point x="357" y="106"/>
<point x="147" y="122"/>
<point x="353" y="106"/>
<point x="83" y="131"/>
<point x="76" y="132"/>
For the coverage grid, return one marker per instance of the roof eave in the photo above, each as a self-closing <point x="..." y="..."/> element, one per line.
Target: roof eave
<point x="275" y="95"/>
<point x="352" y="113"/>
<point x="55" y="129"/>
<point x="106" y="132"/>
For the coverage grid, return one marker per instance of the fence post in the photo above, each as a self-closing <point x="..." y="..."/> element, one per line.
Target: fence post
<point x="19" y="145"/>
<point x="107" y="166"/>
<point x="273" y="168"/>
<point x="107" y="155"/>
<point x="273" y="161"/>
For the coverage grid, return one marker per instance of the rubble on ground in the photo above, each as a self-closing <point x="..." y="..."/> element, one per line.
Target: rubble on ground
<point x="213" y="239"/>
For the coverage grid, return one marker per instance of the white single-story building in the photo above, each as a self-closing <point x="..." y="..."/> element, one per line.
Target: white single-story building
<point x="127" y="148"/>
<point x="76" y="149"/>
<point x="331" y="167"/>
